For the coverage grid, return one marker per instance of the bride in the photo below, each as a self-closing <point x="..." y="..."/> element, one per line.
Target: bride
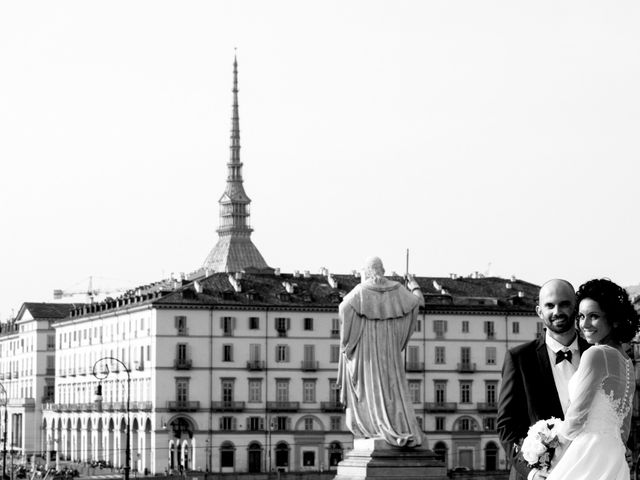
<point x="597" y="423"/>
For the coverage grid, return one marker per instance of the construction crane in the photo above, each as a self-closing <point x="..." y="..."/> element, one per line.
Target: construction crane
<point x="91" y="293"/>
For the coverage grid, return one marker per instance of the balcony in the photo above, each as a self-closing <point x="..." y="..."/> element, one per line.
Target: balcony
<point x="140" y="406"/>
<point x="487" y="407"/>
<point x="227" y="406"/>
<point x="414" y="367"/>
<point x="255" y="365"/>
<point x="466" y="367"/>
<point x="183" y="406"/>
<point x="335" y="333"/>
<point x="309" y="365"/>
<point x="182" y="364"/>
<point x="331" y="406"/>
<point x="283" y="406"/>
<point x="440" y="407"/>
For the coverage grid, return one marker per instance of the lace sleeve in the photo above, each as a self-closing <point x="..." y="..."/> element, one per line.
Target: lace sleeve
<point x="588" y="379"/>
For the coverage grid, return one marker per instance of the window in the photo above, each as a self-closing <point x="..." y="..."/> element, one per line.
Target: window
<point x="491" y="392"/>
<point x="254" y="323"/>
<point x="335" y="327"/>
<point x="282" y="423"/>
<point x="440" y="391"/>
<point x="334" y="393"/>
<point x="308" y="391"/>
<point x="181" y="353"/>
<point x="227" y="423"/>
<point x="335" y="423"/>
<point x="440" y="423"/>
<point x="308" y="324"/>
<point x="491" y="355"/>
<point x="515" y="327"/>
<point x="227" y="324"/>
<point x="465" y="356"/>
<point x="334" y="353"/>
<point x="414" y="390"/>
<point x="180" y="323"/>
<point x="227" y="455"/>
<point x="489" y="329"/>
<point x="227" y="390"/>
<point x="255" y="423"/>
<point x="418" y="326"/>
<point x="465" y="326"/>
<point x="465" y="391"/>
<point x="282" y="325"/>
<point x="440" y="328"/>
<point x="182" y="389"/>
<point x="227" y="353"/>
<point x="254" y="352"/>
<point x="282" y="353"/>
<point x="308" y="456"/>
<point x="308" y="423"/>
<point x="309" y="354"/>
<point x="255" y="390"/>
<point x="465" y="424"/>
<point x="413" y="356"/>
<point x="440" y="356"/>
<point x="51" y="342"/>
<point x="489" y="423"/>
<point x="282" y="390"/>
<point x="539" y="329"/>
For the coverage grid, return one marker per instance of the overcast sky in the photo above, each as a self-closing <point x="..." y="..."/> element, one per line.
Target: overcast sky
<point x="492" y="136"/>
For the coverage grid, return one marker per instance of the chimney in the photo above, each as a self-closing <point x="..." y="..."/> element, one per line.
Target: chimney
<point x="296" y="273"/>
<point x="513" y="278"/>
<point x="276" y="272"/>
<point x="307" y="274"/>
<point x="507" y="285"/>
<point x="521" y="294"/>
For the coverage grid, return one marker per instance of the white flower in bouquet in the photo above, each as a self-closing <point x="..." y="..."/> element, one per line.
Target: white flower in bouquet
<point x="540" y="444"/>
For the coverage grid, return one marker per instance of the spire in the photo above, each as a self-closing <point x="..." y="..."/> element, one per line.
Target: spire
<point x="234" y="250"/>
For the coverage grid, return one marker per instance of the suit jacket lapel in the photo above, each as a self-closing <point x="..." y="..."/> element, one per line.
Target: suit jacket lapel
<point x="549" y="392"/>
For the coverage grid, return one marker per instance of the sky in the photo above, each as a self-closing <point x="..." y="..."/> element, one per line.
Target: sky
<point x="491" y="136"/>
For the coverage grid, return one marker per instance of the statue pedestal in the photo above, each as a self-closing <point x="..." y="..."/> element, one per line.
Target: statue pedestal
<point x="373" y="458"/>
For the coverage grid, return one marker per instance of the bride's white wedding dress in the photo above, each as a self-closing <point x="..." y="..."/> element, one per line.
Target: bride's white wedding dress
<point x="598" y="419"/>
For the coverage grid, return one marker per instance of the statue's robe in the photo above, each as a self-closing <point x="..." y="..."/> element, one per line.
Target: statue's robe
<point x="376" y="322"/>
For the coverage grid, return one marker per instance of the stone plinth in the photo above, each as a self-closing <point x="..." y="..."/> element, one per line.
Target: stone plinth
<point x="373" y="458"/>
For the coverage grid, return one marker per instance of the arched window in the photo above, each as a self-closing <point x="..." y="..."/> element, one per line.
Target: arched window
<point x="282" y="455"/>
<point x="335" y="454"/>
<point x="440" y="449"/>
<point x="227" y="455"/>
<point x="255" y="457"/>
<point x="466" y="424"/>
<point x="491" y="456"/>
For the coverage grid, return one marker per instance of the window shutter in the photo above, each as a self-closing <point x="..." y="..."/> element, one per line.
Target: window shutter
<point x="286" y="353"/>
<point x="486" y="326"/>
<point x="288" y="323"/>
<point x="445" y="326"/>
<point x="288" y="422"/>
<point x="234" y="423"/>
<point x="435" y="322"/>
<point x="233" y="323"/>
<point x="220" y="423"/>
<point x="261" y="423"/>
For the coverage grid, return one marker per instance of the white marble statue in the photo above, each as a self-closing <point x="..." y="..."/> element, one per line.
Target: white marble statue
<point x="377" y="319"/>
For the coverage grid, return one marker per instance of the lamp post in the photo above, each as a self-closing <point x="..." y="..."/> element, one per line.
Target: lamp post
<point x="101" y="375"/>
<point x="3" y="402"/>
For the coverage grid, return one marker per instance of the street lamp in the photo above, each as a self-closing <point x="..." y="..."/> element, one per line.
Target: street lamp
<point x="3" y="402"/>
<point x="101" y="375"/>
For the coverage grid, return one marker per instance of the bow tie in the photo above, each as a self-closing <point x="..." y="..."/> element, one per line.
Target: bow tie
<point x="563" y="355"/>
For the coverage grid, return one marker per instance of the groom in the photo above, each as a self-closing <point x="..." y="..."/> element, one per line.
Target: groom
<point x="535" y="375"/>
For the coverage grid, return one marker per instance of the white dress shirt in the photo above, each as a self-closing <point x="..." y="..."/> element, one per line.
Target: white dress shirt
<point x="563" y="371"/>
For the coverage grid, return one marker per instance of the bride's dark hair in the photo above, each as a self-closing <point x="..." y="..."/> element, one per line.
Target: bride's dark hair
<point x="614" y="301"/>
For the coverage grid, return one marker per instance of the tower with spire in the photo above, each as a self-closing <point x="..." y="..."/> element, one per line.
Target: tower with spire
<point x="234" y="250"/>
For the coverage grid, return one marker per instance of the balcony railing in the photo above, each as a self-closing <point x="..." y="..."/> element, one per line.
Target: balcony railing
<point x="466" y="367"/>
<point x="255" y="365"/>
<point x="182" y="364"/>
<point x="141" y="406"/>
<point x="414" y="367"/>
<point x="309" y="365"/>
<point x="183" y="406"/>
<point x="335" y="333"/>
<point x="441" y="407"/>
<point x="331" y="406"/>
<point x="487" y="407"/>
<point x="283" y="406"/>
<point x="227" y="406"/>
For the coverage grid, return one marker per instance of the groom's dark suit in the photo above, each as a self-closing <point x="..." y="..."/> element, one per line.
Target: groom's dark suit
<point x="528" y="394"/>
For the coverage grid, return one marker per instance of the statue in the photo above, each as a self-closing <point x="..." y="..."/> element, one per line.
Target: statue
<point x="377" y="319"/>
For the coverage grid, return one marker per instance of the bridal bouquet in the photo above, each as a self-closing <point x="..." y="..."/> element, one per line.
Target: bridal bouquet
<point x="541" y="442"/>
